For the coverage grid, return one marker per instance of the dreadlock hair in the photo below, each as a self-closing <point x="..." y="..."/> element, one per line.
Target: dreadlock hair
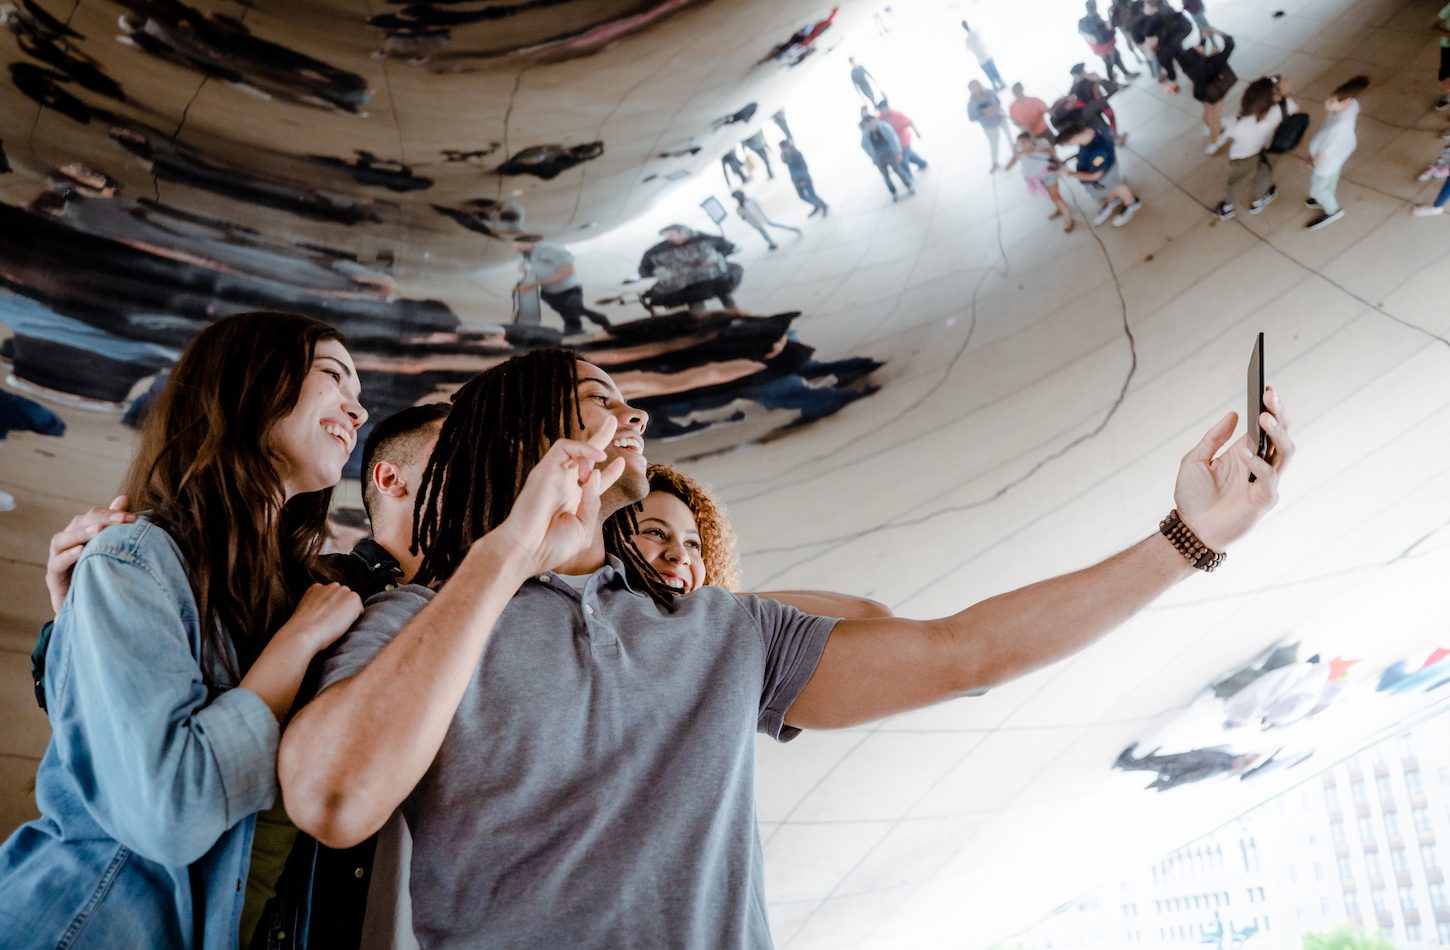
<point x="205" y="473"/>
<point x="502" y="422"/>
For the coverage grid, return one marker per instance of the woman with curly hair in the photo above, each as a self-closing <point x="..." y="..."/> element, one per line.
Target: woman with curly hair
<point x="682" y="534"/>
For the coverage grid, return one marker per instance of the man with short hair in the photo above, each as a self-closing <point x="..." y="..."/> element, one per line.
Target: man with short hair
<point x="984" y="57"/>
<point x="1102" y="39"/>
<point x="395" y="453"/>
<point x="864" y="82"/>
<point x="330" y="887"/>
<point x="1028" y="113"/>
<point x="1162" y="31"/>
<point x="800" y="177"/>
<point x="903" y="126"/>
<point x="549" y="269"/>
<point x="879" y="142"/>
<point x="573" y="746"/>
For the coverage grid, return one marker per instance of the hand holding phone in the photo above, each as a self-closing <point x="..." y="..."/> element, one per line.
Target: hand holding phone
<point x="1256" y="406"/>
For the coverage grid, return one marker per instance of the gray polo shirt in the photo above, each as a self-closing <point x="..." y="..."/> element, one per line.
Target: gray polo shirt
<point x="596" y="786"/>
<point x="546" y="258"/>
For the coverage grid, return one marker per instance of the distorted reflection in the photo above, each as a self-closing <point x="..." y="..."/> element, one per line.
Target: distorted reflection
<point x="150" y="215"/>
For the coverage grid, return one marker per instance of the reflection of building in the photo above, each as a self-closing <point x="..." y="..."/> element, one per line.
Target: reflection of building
<point x="1362" y="843"/>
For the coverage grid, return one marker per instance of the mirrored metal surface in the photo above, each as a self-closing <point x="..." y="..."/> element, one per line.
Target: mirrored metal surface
<point x="926" y="401"/>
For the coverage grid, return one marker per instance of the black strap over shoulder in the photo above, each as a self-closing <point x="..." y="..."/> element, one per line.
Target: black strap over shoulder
<point x="37" y="662"/>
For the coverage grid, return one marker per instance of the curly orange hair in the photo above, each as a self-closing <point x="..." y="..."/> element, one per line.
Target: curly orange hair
<point x="717" y="538"/>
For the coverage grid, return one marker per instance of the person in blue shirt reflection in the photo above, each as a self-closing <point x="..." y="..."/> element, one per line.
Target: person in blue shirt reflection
<point x="179" y="649"/>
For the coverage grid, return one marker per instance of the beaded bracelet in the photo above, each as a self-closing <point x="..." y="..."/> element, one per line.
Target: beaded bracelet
<point x="1193" y="550"/>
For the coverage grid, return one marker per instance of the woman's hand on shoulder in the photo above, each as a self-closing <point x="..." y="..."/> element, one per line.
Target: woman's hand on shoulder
<point x="66" y="545"/>
<point x="324" y="614"/>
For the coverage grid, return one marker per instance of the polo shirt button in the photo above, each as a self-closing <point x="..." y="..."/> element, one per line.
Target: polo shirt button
<point x="588" y="610"/>
<point x="544" y="578"/>
<point x="358" y="873"/>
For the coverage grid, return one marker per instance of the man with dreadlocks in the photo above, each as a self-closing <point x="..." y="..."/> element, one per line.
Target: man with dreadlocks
<point x="572" y="746"/>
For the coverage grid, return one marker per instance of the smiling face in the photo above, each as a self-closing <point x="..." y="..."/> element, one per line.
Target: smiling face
<point x="669" y="540"/>
<point x="599" y="399"/>
<point x="313" y="441"/>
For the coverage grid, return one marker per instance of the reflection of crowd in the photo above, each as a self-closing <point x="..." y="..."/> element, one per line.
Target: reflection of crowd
<point x="220" y="45"/>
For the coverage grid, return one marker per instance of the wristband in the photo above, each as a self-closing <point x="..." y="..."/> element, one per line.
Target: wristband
<point x="1194" y="551"/>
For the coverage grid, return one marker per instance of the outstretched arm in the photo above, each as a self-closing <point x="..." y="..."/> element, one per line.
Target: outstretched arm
<point x="875" y="668"/>
<point x="354" y="753"/>
<point x="824" y="603"/>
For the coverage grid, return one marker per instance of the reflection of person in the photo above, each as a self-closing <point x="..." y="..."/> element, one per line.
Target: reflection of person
<point x="1331" y="147"/>
<point x="1432" y="674"/>
<point x="1161" y="30"/>
<point x="902" y="125"/>
<point x="1097" y="169"/>
<point x="864" y="82"/>
<point x="549" y="161"/>
<point x="879" y="142"/>
<point x="985" y="109"/>
<point x="1039" y="170"/>
<point x="1284" y="696"/>
<point x="1122" y="17"/>
<point x="778" y="117"/>
<point x="1028" y="113"/>
<point x="1195" y="765"/>
<point x="1212" y="78"/>
<point x="756" y="143"/>
<point x="1265" y="104"/>
<point x="1206" y="30"/>
<point x="549" y="269"/>
<point x="1101" y="38"/>
<point x="800" y="177"/>
<point x="978" y="46"/>
<point x="1090" y="96"/>
<point x="690" y="268"/>
<point x="18" y="414"/>
<point x="754" y="215"/>
<point x="181" y="644"/>
<point x="565" y="698"/>
<point x="730" y="162"/>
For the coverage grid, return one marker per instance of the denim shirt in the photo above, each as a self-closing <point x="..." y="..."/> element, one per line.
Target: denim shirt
<point x="151" y="781"/>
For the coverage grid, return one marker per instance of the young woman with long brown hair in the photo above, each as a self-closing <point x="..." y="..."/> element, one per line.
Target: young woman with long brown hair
<point x="1265" y="105"/>
<point x="179" y="649"/>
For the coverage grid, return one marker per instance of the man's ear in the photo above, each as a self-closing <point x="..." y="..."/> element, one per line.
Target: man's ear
<point x="388" y="480"/>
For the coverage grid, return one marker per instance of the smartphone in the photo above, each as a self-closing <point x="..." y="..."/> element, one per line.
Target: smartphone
<point x="1256" y="407"/>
